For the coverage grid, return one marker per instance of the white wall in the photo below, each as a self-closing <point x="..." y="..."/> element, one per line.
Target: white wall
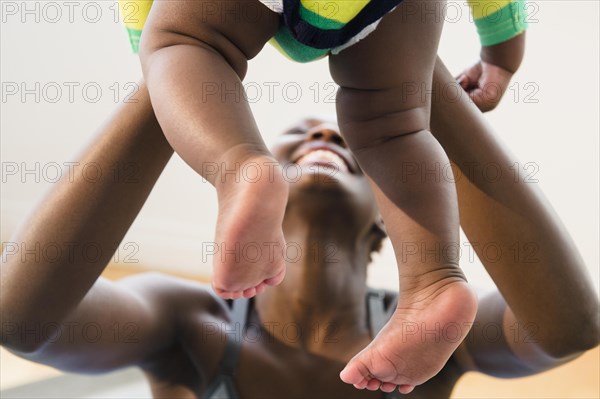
<point x="559" y="132"/>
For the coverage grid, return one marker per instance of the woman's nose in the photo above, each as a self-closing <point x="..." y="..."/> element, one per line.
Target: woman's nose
<point x="326" y="134"/>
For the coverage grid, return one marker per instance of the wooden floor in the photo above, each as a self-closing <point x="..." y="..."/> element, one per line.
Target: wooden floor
<point x="578" y="379"/>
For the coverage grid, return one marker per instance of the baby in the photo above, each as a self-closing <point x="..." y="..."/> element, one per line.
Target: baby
<point x="377" y="49"/>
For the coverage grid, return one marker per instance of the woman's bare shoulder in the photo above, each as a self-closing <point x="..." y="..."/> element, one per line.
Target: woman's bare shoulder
<point x="182" y="296"/>
<point x="192" y="307"/>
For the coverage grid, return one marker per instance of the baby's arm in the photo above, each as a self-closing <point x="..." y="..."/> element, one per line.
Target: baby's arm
<point x="501" y="26"/>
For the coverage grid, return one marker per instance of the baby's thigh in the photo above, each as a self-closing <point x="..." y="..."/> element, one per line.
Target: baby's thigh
<point x="401" y="51"/>
<point x="242" y="25"/>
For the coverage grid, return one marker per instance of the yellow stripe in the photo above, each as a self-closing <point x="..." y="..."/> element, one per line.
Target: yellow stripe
<point x="483" y="8"/>
<point x="134" y="12"/>
<point x="339" y="10"/>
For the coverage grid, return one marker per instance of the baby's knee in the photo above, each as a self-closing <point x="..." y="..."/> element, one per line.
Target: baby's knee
<point x="367" y="116"/>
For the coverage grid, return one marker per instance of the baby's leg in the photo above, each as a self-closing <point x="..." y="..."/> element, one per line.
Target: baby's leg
<point x="194" y="55"/>
<point x="383" y="111"/>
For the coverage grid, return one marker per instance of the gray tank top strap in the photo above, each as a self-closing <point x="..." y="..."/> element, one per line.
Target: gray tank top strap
<point x="222" y="386"/>
<point x="378" y="316"/>
<point x="376" y="310"/>
<point x="239" y="315"/>
<point x="239" y="311"/>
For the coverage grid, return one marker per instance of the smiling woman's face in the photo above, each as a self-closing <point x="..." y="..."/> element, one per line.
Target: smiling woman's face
<point x="315" y="142"/>
<point x="324" y="175"/>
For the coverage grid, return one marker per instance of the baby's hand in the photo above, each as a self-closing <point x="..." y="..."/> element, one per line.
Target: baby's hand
<point x="485" y="83"/>
<point x="487" y="80"/>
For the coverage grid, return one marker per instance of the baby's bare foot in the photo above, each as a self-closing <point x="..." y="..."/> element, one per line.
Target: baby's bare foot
<point x="249" y="233"/>
<point x="418" y="340"/>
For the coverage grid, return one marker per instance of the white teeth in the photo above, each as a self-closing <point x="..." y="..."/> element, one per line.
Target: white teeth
<point x="324" y="157"/>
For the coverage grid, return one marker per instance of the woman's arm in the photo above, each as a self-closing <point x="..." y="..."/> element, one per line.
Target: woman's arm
<point x="50" y="311"/>
<point x="548" y="309"/>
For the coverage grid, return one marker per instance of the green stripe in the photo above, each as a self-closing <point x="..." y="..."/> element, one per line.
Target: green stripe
<point x="317" y="20"/>
<point x="295" y="50"/>
<point x="134" y="39"/>
<point x="502" y="25"/>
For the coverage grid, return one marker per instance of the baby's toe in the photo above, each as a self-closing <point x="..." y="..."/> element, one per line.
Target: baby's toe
<point x="404" y="389"/>
<point x="373" y="385"/>
<point x="260" y="288"/>
<point x="352" y="375"/>
<point x="388" y="387"/>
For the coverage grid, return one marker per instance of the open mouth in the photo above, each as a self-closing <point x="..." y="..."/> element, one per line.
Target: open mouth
<point x="326" y="158"/>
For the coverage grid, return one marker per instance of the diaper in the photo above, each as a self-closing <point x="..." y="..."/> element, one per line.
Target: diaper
<point x="310" y="29"/>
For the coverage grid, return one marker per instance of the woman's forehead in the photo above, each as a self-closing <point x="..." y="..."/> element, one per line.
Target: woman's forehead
<point x="315" y="120"/>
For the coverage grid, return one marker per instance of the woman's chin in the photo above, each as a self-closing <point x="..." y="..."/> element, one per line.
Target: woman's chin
<point x="323" y="180"/>
<point x="332" y="193"/>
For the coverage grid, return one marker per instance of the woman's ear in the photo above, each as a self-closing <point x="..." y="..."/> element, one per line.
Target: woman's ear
<point x="379" y="225"/>
<point x="379" y="234"/>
